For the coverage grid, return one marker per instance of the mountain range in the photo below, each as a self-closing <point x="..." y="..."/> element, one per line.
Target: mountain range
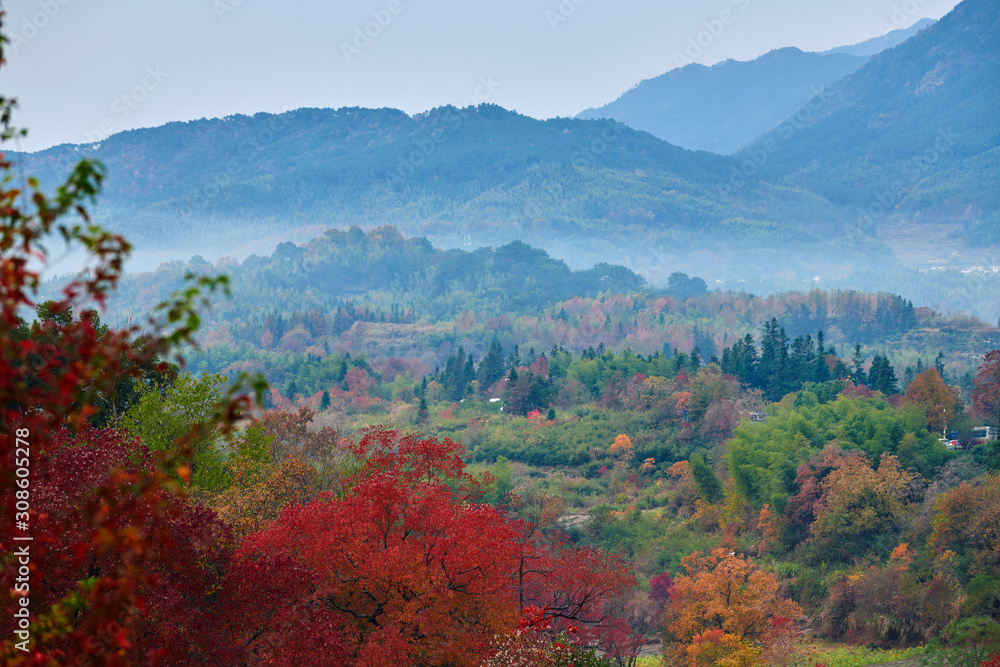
<point x="724" y="107"/>
<point x="475" y="176"/>
<point x="912" y="137"/>
<point x="901" y="151"/>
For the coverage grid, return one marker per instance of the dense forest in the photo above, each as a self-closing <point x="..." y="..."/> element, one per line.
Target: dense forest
<point x="388" y="298"/>
<point x="635" y="445"/>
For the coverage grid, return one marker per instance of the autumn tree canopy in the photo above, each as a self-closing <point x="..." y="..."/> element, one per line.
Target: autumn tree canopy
<point x="986" y="389"/>
<point x="929" y="392"/>
<point x="723" y="607"/>
<point x="416" y="572"/>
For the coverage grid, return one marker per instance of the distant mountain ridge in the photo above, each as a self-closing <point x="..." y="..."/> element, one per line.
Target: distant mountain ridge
<point x="912" y="135"/>
<point x="479" y="176"/>
<point x="724" y="107"/>
<point x="910" y="138"/>
<point x="870" y="47"/>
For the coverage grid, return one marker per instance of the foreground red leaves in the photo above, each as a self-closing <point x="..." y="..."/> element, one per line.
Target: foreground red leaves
<point x="88" y="524"/>
<point x="416" y="572"/>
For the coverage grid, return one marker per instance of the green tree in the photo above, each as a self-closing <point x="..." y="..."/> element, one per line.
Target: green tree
<point x="882" y="376"/>
<point x="705" y="480"/>
<point x="822" y="373"/>
<point x="491" y="367"/>
<point x="162" y="415"/>
<point x="858" y="375"/>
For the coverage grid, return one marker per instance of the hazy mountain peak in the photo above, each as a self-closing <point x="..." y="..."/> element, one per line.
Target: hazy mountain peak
<point x="724" y="107"/>
<point x="911" y="137"/>
<point x="870" y="47"/>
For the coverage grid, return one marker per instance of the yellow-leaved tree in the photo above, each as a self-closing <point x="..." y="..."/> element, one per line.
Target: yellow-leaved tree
<point x="725" y="611"/>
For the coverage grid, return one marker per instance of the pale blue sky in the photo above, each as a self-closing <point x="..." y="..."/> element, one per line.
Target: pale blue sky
<point x="84" y="68"/>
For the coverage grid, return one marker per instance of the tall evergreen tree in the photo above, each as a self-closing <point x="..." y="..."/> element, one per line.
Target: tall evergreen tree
<point x="454" y="376"/>
<point x="774" y="370"/>
<point x="695" y="360"/>
<point x="858" y="375"/>
<point x="491" y="367"/>
<point x="822" y="373"/>
<point x="882" y="376"/>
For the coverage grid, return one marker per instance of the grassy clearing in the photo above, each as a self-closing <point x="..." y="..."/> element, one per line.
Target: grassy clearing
<point x="844" y="656"/>
<point x="858" y="656"/>
<point x="649" y="661"/>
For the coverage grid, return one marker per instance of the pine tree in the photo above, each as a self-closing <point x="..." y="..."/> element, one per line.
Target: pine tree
<point x="774" y="368"/>
<point x="491" y="367"/>
<point x="453" y="378"/>
<point x="750" y="362"/>
<point x="858" y="375"/>
<point x="324" y="402"/>
<point x="695" y="360"/>
<point x="882" y="376"/>
<point x="822" y="373"/>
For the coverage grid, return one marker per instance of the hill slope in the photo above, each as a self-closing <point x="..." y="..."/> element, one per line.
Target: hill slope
<point x="870" y="47"/>
<point x="913" y="135"/>
<point x="475" y="176"/>
<point x="724" y="107"/>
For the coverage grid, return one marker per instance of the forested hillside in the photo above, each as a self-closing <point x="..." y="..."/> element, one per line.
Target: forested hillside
<point x="401" y="301"/>
<point x="871" y="185"/>
<point x="483" y="175"/>
<point x="736" y="101"/>
<point x="912" y="134"/>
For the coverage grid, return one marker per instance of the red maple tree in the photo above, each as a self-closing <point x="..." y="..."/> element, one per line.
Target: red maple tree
<point x="986" y="388"/>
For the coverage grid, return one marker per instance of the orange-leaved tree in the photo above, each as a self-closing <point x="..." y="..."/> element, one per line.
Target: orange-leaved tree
<point x="861" y="507"/>
<point x="722" y="611"/>
<point x="929" y="392"/>
<point x="967" y="522"/>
